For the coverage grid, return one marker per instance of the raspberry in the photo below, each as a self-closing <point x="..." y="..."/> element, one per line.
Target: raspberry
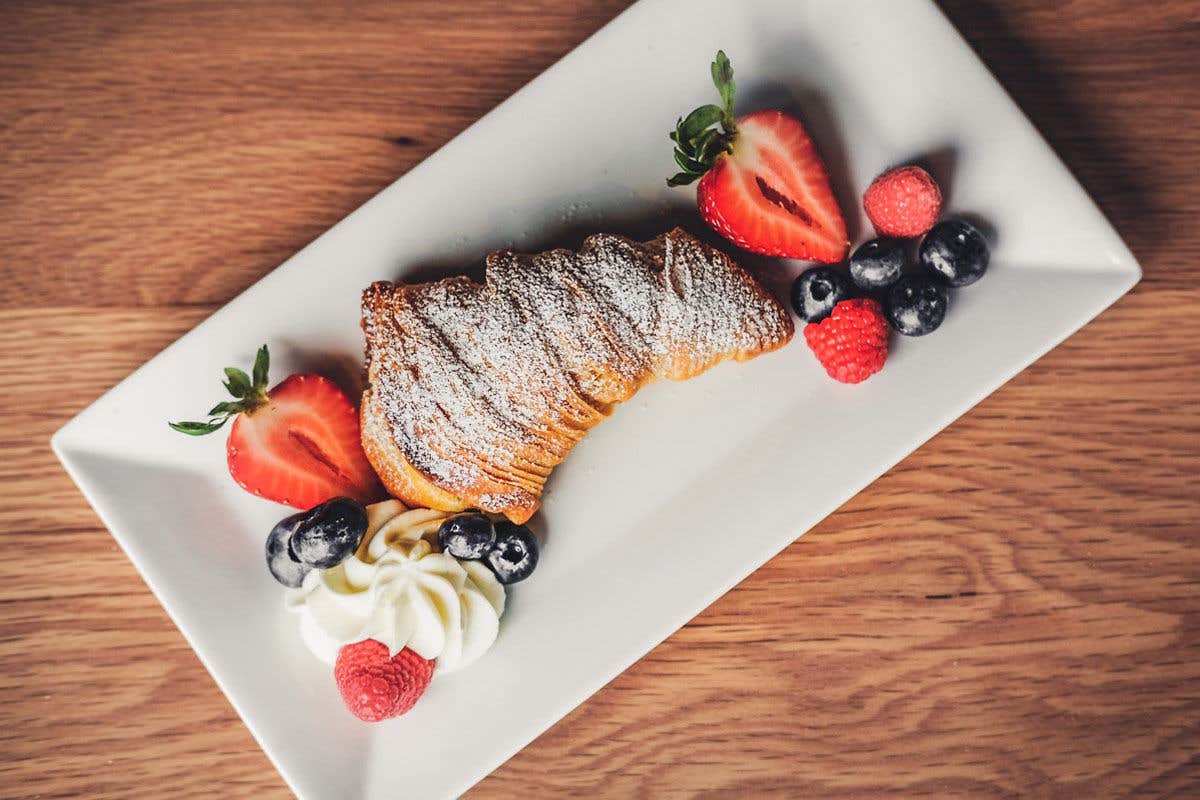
<point x="376" y="686"/>
<point x="851" y="343"/>
<point x="903" y="202"/>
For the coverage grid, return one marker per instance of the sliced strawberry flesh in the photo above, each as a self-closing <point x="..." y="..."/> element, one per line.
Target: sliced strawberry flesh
<point x="303" y="447"/>
<point x="783" y="201"/>
<point x="784" y="155"/>
<point x="772" y="194"/>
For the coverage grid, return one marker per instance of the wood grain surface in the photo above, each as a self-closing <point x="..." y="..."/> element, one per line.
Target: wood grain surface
<point x="1013" y="611"/>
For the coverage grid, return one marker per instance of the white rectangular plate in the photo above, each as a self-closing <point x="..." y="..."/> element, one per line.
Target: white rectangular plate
<point x="688" y="488"/>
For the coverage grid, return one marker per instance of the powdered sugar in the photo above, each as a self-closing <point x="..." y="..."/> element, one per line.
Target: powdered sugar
<point x="485" y="388"/>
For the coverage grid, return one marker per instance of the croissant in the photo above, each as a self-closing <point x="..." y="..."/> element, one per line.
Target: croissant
<point x="477" y="391"/>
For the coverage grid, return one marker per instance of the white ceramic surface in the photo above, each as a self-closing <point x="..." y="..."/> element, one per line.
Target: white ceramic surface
<point x="688" y="488"/>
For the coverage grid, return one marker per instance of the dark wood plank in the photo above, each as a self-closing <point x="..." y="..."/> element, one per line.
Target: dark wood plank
<point x="162" y="153"/>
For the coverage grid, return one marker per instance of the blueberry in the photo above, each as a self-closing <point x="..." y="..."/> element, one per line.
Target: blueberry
<point x="283" y="565"/>
<point x="916" y="305"/>
<point x="515" y="553"/>
<point x="877" y="264"/>
<point x="467" y="536"/>
<point x="817" y="291"/>
<point x="329" y="532"/>
<point x="956" y="252"/>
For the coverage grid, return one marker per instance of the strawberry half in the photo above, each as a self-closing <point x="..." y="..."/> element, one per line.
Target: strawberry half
<point x="297" y="444"/>
<point x="762" y="184"/>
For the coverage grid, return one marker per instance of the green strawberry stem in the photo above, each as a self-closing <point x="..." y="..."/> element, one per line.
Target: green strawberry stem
<point x="248" y="392"/>
<point x="708" y="131"/>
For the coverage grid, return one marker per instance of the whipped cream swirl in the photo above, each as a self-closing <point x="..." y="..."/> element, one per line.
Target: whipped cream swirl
<point x="397" y="590"/>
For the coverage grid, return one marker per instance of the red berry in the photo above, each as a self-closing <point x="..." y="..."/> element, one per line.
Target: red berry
<point x="376" y="686"/>
<point x="852" y="342"/>
<point x="297" y="444"/>
<point x="771" y="195"/>
<point x="302" y="447"/>
<point x="904" y="202"/>
<point x="762" y="185"/>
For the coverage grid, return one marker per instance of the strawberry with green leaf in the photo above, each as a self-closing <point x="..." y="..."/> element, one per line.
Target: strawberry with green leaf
<point x="297" y="444"/>
<point x="762" y="184"/>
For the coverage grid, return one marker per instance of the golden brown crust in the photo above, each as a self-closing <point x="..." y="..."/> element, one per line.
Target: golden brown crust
<point x="399" y="477"/>
<point x="476" y="392"/>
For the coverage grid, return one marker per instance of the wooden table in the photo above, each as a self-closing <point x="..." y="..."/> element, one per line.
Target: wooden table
<point x="1011" y="611"/>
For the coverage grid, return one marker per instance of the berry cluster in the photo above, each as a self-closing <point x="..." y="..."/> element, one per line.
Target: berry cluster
<point x="846" y="310"/>
<point x="374" y="684"/>
<point x="320" y="538"/>
<point x="508" y="550"/>
<point x="328" y="534"/>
